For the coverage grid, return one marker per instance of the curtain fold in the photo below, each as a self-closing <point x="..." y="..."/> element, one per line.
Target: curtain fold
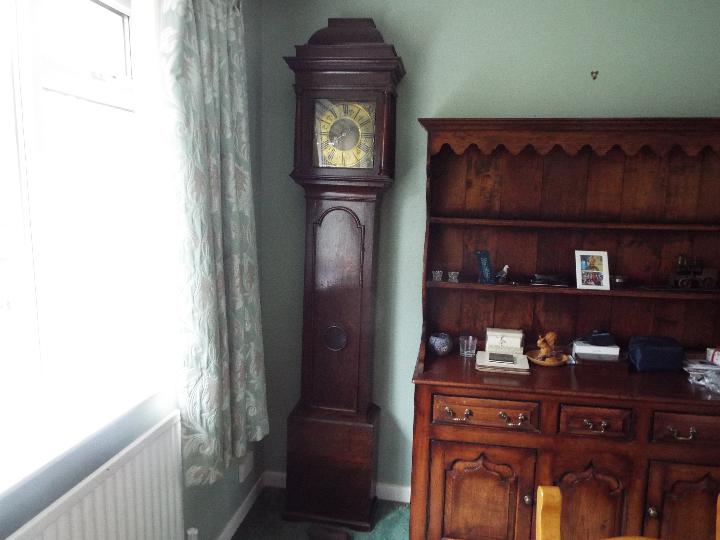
<point x="223" y="402"/>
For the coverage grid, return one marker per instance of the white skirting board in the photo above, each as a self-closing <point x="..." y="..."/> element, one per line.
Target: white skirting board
<point x="386" y="492"/>
<point x="393" y="492"/>
<point x="242" y="512"/>
<point x="276" y="479"/>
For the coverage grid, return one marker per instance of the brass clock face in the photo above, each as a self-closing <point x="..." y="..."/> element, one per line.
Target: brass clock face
<point x="344" y="134"/>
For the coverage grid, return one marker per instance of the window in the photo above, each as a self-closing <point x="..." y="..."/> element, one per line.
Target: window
<point x="99" y="46"/>
<point x="85" y="258"/>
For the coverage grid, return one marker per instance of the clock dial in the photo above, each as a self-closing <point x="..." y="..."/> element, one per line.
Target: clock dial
<point x="344" y="134"/>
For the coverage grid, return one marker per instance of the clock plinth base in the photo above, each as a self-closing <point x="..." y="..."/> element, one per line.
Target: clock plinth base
<point x="331" y="468"/>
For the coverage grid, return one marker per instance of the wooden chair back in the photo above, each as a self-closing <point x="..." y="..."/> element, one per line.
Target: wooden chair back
<point x="549" y="512"/>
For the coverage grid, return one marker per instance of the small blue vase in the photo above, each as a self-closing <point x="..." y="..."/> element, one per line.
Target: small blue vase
<point x="440" y="343"/>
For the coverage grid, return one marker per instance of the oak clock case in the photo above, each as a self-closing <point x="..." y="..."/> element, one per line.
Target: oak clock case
<point x="345" y="86"/>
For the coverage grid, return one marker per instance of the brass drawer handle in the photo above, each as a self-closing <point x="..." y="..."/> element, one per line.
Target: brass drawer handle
<point x="521" y="419"/>
<point x="692" y="432"/>
<point x="590" y="426"/>
<point x="465" y="417"/>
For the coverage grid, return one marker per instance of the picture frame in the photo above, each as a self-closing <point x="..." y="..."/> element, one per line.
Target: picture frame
<point x="592" y="270"/>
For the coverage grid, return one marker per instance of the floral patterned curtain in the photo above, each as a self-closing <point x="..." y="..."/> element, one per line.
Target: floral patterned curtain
<point x="223" y="404"/>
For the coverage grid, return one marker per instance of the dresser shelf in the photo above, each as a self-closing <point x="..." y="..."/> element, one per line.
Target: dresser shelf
<point x="579" y="225"/>
<point x="673" y="294"/>
<point x="533" y="192"/>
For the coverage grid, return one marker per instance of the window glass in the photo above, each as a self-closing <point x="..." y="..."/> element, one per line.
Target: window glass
<point x="99" y="45"/>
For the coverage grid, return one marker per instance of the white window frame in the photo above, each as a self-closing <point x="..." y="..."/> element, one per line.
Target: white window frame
<point x="95" y="87"/>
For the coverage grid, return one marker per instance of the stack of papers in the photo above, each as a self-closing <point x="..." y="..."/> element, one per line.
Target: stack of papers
<point x="703" y="373"/>
<point x="699" y="367"/>
<point x="502" y="362"/>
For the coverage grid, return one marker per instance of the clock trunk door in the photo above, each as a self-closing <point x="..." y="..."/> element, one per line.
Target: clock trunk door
<point x="336" y="279"/>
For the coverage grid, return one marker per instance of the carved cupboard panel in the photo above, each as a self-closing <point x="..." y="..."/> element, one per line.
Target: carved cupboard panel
<point x="485" y="491"/>
<point x="682" y="500"/>
<point x="599" y="482"/>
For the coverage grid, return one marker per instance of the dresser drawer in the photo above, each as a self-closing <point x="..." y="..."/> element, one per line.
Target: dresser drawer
<point x="685" y="428"/>
<point x="596" y="421"/>
<point x="490" y="413"/>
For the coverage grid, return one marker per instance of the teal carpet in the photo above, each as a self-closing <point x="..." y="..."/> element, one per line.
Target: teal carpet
<point x="264" y="522"/>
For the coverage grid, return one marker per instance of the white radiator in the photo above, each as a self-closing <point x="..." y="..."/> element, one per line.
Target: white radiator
<point x="137" y="495"/>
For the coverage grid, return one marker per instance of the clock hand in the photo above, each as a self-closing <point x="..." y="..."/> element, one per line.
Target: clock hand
<point x="335" y="140"/>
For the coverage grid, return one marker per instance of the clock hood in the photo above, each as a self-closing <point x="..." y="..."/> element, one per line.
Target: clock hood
<point x="348" y="45"/>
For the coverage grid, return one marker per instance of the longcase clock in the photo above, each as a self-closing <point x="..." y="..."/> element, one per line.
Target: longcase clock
<point x="345" y="84"/>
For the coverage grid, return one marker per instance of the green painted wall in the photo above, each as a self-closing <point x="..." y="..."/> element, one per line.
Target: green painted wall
<point x="210" y="508"/>
<point x="497" y="58"/>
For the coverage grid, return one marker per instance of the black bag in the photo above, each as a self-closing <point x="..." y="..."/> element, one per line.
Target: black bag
<point x="652" y="353"/>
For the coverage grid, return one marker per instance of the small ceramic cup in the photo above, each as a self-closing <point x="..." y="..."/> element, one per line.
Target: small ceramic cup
<point x="454" y="277"/>
<point x="437" y="275"/>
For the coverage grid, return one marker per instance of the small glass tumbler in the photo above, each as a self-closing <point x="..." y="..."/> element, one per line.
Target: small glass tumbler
<point x="454" y="277"/>
<point x="437" y="275"/>
<point x="468" y="346"/>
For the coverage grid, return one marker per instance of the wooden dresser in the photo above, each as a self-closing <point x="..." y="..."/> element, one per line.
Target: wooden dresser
<point x="632" y="452"/>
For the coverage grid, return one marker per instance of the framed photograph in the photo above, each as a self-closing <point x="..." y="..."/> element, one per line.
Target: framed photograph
<point x="592" y="270"/>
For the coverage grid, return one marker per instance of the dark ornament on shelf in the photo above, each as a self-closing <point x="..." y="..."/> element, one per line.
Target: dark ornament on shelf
<point x="486" y="276"/>
<point x="440" y="343"/>
<point x="554" y="280"/>
<point x="502" y="275"/>
<point x="693" y="275"/>
<point x="619" y="282"/>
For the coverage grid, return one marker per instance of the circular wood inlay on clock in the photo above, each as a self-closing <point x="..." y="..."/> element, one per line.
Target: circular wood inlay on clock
<point x="335" y="338"/>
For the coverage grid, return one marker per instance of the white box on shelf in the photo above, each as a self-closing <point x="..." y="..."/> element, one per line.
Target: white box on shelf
<point x="585" y="351"/>
<point x="506" y="349"/>
<point x="504" y="340"/>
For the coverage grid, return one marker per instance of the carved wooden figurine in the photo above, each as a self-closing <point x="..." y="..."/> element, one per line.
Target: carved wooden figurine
<point x="546" y="344"/>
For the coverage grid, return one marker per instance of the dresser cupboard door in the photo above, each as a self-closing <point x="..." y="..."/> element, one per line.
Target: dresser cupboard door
<point x="480" y="492"/>
<point x="681" y="501"/>
<point x="599" y="482"/>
